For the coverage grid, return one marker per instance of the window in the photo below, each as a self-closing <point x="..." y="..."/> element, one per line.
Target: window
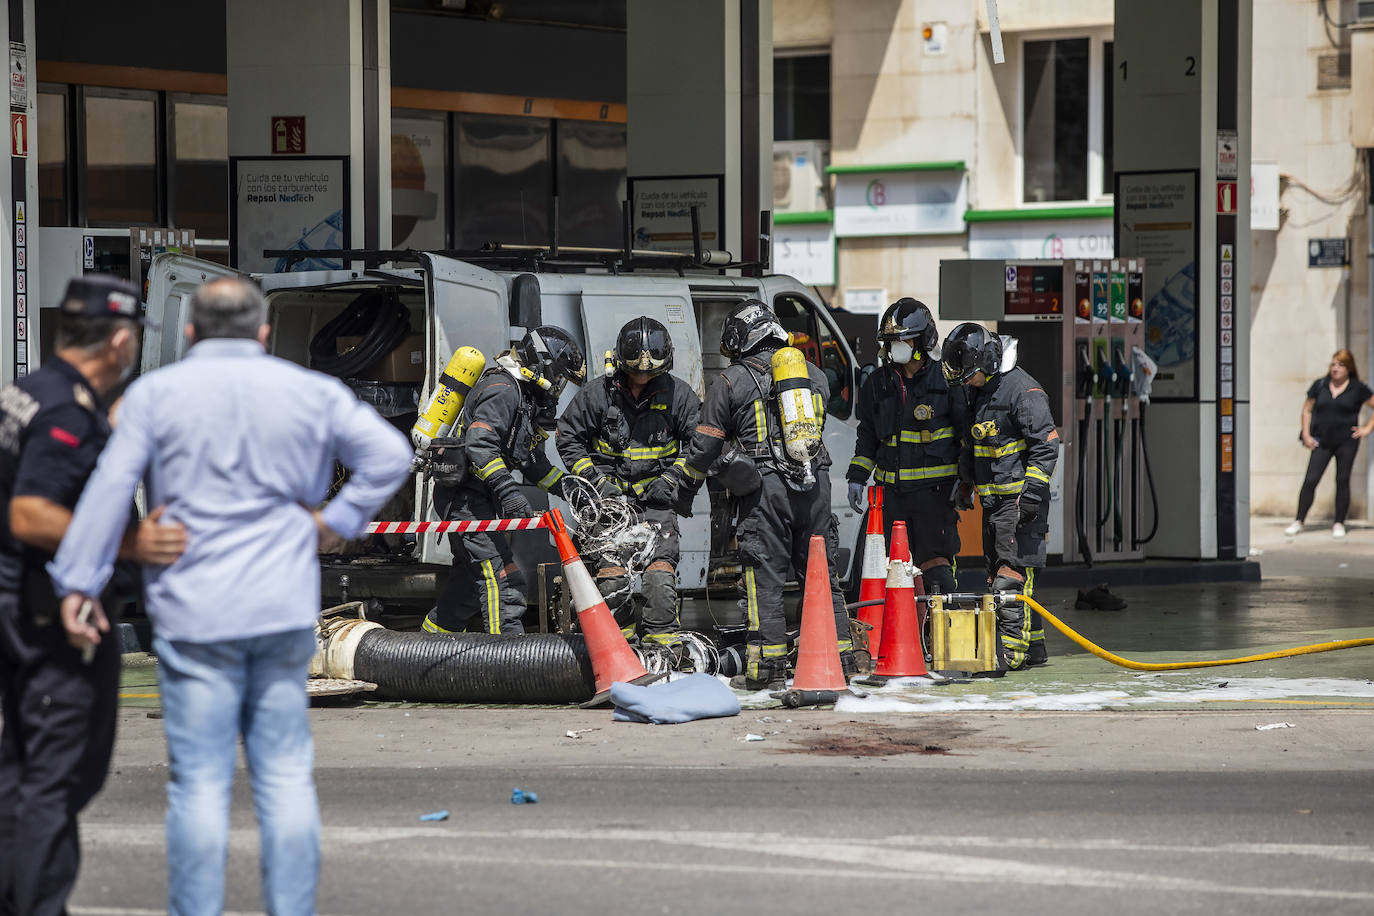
<point x="54" y="186"/>
<point x="821" y="347"/>
<point x="121" y="143"/>
<point x="199" y="180"/>
<point x="590" y="183"/>
<point x="503" y="180"/>
<point x="801" y="97"/>
<point x="419" y="158"/>
<point x="1065" y="119"/>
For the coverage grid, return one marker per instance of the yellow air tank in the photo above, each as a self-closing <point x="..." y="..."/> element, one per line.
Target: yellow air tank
<point x="446" y="402"/>
<point x="801" y="427"/>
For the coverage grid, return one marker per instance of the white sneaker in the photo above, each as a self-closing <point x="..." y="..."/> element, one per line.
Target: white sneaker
<point x="1338" y="530"/>
<point x="1295" y="528"/>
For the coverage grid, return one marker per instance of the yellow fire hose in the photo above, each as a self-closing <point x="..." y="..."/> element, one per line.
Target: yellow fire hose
<point x="1068" y="631"/>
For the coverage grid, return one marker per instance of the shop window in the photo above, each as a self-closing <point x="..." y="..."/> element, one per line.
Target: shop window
<point x="503" y="180"/>
<point x="54" y="187"/>
<point x="419" y="160"/>
<point x="1066" y="119"/>
<point x="813" y="336"/>
<point x="200" y="169"/>
<point x="590" y="183"/>
<point x="801" y="97"/>
<point x="121" y="143"/>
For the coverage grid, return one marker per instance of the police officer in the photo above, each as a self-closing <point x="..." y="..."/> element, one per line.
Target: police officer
<point x="1012" y="446"/>
<point x="790" y="500"/>
<point x="623" y="434"/>
<point x="907" y="416"/>
<point x="502" y="429"/>
<point x="59" y="711"/>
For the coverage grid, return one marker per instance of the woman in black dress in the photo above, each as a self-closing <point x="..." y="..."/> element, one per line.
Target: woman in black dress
<point x="1331" y="429"/>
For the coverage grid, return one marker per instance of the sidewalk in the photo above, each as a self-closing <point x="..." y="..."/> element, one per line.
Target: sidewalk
<point x="1314" y="552"/>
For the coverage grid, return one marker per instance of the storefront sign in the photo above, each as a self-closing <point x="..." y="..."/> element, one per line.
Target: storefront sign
<point x="418" y="195"/>
<point x="1037" y="239"/>
<point x="662" y="211"/>
<point x="805" y="251"/>
<point x="900" y="203"/>
<point x="1157" y="219"/>
<point x="287" y="203"/>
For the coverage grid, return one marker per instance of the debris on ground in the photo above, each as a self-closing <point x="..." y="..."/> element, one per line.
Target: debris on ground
<point x="435" y="816"/>
<point x="1274" y="725"/>
<point x="752" y="737"/>
<point x="517" y="797"/>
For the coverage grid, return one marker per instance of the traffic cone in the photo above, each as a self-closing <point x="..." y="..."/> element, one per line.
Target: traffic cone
<point x="612" y="658"/>
<point x="901" y="654"/>
<point x="873" y="583"/>
<point x="818" y="655"/>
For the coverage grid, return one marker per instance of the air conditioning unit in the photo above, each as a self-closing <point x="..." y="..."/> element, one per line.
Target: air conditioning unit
<point x="799" y="180"/>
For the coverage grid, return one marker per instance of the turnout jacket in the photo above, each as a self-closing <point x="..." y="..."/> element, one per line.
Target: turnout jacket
<point x="499" y="433"/>
<point x="908" y="428"/>
<point x="605" y="432"/>
<point x="740" y="406"/>
<point x="1010" y="437"/>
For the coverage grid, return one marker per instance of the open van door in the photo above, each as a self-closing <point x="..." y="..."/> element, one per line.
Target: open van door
<point x="172" y="278"/>
<point x="466" y="306"/>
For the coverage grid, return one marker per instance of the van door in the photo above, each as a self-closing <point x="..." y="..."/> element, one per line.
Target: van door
<point x="605" y="310"/>
<point x="172" y="278"/>
<point x="465" y="306"/>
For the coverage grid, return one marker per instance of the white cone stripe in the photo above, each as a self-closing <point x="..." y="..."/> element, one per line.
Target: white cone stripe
<point x="899" y="575"/>
<point x="875" y="557"/>
<point x="585" y="594"/>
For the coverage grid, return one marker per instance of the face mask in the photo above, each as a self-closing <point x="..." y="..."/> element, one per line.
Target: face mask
<point x="900" y="351"/>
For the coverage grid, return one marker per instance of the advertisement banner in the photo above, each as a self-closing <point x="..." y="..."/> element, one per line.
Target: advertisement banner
<point x="418" y="196"/>
<point x="1041" y="239"/>
<point x="298" y="203"/>
<point x="662" y="211"/>
<point x="900" y="203"/>
<point x="1157" y="219"/>
<point x="805" y="251"/>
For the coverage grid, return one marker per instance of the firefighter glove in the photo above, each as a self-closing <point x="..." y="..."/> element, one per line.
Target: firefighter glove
<point x="513" y="502"/>
<point x="662" y="492"/>
<point x="962" y="496"/>
<point x="608" y="488"/>
<point x="856" y="496"/>
<point x="1028" y="504"/>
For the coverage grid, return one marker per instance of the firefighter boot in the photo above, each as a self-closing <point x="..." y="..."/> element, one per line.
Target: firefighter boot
<point x="761" y="673"/>
<point x="1013" y="623"/>
<point x="849" y="666"/>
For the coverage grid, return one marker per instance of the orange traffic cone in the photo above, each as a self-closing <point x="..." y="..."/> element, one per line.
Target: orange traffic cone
<point x="612" y="658"/>
<point x="901" y="654"/>
<point x="818" y="655"/>
<point x="873" y="584"/>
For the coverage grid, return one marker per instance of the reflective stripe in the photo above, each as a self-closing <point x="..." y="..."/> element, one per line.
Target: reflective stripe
<point x="491" y="467"/>
<point x="429" y="626"/>
<point x="934" y="472"/>
<point x="628" y="631"/>
<point x="1030" y="587"/>
<point x="916" y="436"/>
<point x="1000" y="489"/>
<point x="691" y="472"/>
<point x="774" y="651"/>
<point x="582" y="465"/>
<point x="751" y="599"/>
<point x="637" y="454"/>
<point x="846" y="645"/>
<point x="658" y="406"/>
<point x="1035" y="473"/>
<point x="818" y="404"/>
<point x="760" y="421"/>
<point x="493" y="598"/>
<point x="999" y="451"/>
<point x="640" y="486"/>
<point x="549" y="479"/>
<point x="862" y="462"/>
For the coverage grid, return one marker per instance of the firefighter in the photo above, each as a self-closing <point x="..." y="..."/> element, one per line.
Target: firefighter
<point x="907" y="416"/>
<point x="1011" y="445"/>
<point x="785" y="497"/>
<point x="502" y="429"/>
<point x="623" y="434"/>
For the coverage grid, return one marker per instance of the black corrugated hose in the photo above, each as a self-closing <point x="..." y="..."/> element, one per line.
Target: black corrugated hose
<point x="476" y="667"/>
<point x="378" y="317"/>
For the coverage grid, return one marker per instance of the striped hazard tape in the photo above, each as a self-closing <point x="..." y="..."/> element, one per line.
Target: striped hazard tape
<point x="500" y="524"/>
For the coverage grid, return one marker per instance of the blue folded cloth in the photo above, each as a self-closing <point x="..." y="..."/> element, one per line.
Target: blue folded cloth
<point x="696" y="696"/>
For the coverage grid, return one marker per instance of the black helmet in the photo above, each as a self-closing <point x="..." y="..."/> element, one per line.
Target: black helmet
<point x="970" y="348"/>
<point x="552" y="357"/>
<point x="644" y="345"/>
<point x="909" y="319"/>
<point x="749" y="326"/>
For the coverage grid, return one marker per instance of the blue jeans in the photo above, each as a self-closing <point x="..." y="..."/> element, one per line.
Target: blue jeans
<point x="212" y="693"/>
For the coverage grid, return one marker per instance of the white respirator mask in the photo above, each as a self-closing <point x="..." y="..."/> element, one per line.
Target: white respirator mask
<point x="900" y="352"/>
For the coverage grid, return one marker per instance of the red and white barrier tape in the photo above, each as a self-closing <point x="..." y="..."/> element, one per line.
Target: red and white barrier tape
<point x="500" y="524"/>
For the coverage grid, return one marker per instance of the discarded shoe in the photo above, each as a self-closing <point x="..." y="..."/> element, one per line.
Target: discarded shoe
<point x="1099" y="598"/>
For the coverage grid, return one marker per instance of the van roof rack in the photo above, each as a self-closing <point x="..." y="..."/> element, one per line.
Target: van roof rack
<point x="553" y="257"/>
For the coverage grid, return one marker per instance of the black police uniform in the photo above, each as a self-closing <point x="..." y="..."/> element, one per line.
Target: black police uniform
<point x="608" y="433"/>
<point x="59" y="713"/>
<point x="1010" y="440"/>
<point x="499" y="433"/>
<point x="777" y="521"/>
<point x="908" y="440"/>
